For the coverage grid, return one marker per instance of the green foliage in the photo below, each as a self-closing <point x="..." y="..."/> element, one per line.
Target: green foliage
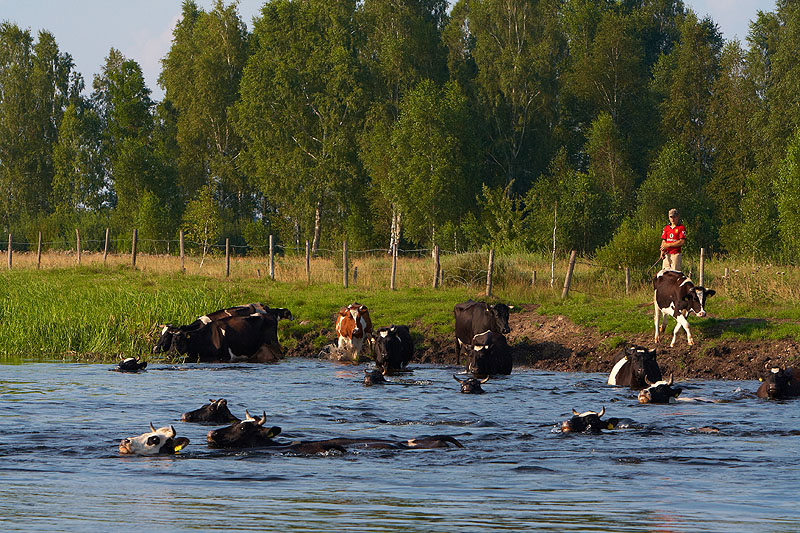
<point x="787" y="192"/>
<point x="202" y="222"/>
<point x="635" y="245"/>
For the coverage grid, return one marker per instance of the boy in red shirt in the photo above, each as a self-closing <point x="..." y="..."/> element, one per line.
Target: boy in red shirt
<point x="672" y="238"/>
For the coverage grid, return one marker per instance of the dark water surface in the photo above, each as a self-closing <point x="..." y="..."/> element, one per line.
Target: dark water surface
<point x="60" y="426"/>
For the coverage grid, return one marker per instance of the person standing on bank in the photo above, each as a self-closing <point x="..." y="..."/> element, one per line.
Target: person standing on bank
<point x="672" y="238"/>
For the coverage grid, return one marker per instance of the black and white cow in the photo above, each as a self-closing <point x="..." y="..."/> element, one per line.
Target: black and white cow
<point x="473" y="318"/>
<point x="252" y="338"/>
<point x="675" y="295"/>
<point x="660" y="392"/>
<point x="155" y="442"/>
<point x="779" y="384"/>
<point x="633" y="367"/>
<point x="394" y="348"/>
<point x="214" y="412"/>
<point x="489" y="354"/>
<point x="130" y="364"/>
<point x="588" y="422"/>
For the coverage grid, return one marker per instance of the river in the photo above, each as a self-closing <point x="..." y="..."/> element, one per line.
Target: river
<point x="60" y="427"/>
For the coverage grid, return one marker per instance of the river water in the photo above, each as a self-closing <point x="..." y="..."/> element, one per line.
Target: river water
<point x="60" y="426"/>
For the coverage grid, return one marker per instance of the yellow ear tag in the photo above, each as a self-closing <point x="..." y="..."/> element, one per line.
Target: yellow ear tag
<point x="760" y="379"/>
<point x="610" y="425"/>
<point x="179" y="447"/>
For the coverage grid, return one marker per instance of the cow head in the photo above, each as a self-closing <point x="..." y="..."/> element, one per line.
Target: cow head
<point x="393" y="347"/>
<point x="373" y="377"/>
<point x="778" y="383"/>
<point x="249" y="433"/>
<point x="157" y="441"/>
<point x="131" y="364"/>
<point x="643" y="366"/>
<point x="471" y="385"/>
<point x="281" y="312"/>
<point x="499" y="314"/>
<point x="589" y="422"/>
<point x="484" y="352"/>
<point x="659" y="392"/>
<point x="164" y="343"/>
<point x="695" y="300"/>
<point x="360" y="315"/>
<point x="214" y="412"/>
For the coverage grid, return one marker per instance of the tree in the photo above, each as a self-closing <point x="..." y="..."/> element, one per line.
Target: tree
<point x="787" y="192"/>
<point x="202" y="222"/>
<point x="608" y="167"/>
<point x="301" y="96"/>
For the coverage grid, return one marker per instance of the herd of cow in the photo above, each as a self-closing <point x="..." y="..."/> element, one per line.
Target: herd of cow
<point x="249" y="333"/>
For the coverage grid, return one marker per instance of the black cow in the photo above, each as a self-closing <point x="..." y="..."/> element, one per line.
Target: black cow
<point x="588" y="422"/>
<point x="164" y="343"/>
<point x="489" y="354"/>
<point x="214" y="412"/>
<point x="471" y="385"/>
<point x="674" y="294"/>
<point x="252" y="338"/>
<point x="251" y="433"/>
<point x="473" y="318"/>
<point x="394" y="348"/>
<point x="373" y="377"/>
<point x="130" y="364"/>
<point x="633" y="367"/>
<point x="660" y="392"/>
<point x="779" y="384"/>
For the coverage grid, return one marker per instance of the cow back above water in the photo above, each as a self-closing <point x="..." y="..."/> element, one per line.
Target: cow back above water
<point x="675" y="295"/>
<point x="472" y="318"/>
<point x="634" y="366"/>
<point x="353" y="327"/>
<point x="252" y="338"/>
<point x="394" y="347"/>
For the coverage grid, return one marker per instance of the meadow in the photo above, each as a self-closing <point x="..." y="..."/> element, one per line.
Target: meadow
<point x="98" y="311"/>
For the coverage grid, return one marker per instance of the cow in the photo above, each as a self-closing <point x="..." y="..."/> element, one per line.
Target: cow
<point x="471" y="385"/>
<point x="353" y="326"/>
<point x="588" y="422"/>
<point x="164" y="343"/>
<point x="634" y="366"/>
<point x="660" y="392"/>
<point x="779" y="384"/>
<point x="472" y="318"/>
<point x="214" y="412"/>
<point x="156" y="442"/>
<point x="394" y="348"/>
<point x="130" y="364"/>
<point x="252" y="433"/>
<point x="489" y="354"/>
<point x="252" y="338"/>
<point x="374" y="377"/>
<point x="674" y="294"/>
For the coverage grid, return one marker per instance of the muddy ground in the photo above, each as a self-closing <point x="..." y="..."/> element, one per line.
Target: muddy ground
<point x="556" y="343"/>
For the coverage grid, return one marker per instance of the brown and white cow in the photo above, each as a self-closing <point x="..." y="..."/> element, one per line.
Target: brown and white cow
<point x="674" y="294"/>
<point x="353" y="326"/>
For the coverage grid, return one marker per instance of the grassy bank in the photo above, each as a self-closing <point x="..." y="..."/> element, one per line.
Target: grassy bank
<point x="95" y="313"/>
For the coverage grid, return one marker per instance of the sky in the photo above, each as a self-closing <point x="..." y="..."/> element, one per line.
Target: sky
<point x="142" y="29"/>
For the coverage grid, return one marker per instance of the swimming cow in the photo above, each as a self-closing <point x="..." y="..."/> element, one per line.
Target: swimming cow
<point x="471" y="385"/>
<point x="633" y="367"/>
<point x="779" y="384"/>
<point x="588" y="422"/>
<point x="130" y="364"/>
<point x="659" y="392"/>
<point x="472" y="318"/>
<point x="214" y="412"/>
<point x="156" y="442"/>
<point x="489" y="354"/>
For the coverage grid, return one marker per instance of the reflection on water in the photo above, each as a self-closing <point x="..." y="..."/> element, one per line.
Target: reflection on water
<point x="60" y="426"/>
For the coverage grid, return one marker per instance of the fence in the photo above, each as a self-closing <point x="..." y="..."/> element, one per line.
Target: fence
<point x="438" y="277"/>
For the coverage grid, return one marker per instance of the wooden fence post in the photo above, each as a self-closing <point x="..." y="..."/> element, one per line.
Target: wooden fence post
<point x="568" y="278"/>
<point x="489" y="273"/>
<point x="227" y="257"/>
<point x="183" y="257"/>
<point x="533" y="278"/>
<point x="271" y="258"/>
<point x="133" y="247"/>
<point x="78" y="244"/>
<point x="355" y="275"/>
<point x="105" y="248"/>
<point x="627" y="281"/>
<point x="344" y="264"/>
<point x="9" y="251"/>
<point x="39" y="253"/>
<point x="702" y="266"/>
<point x="308" y="264"/>
<point x="726" y="276"/>
<point x="394" y="265"/>
<point x="436" y="266"/>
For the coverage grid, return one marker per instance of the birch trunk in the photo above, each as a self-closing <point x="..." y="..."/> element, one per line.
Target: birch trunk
<point x="317" y="227"/>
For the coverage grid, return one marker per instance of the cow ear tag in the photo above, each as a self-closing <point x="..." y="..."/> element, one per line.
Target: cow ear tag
<point x="181" y="444"/>
<point x="273" y="431"/>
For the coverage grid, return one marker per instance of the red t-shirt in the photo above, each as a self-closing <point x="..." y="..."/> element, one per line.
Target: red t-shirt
<point x="671" y="234"/>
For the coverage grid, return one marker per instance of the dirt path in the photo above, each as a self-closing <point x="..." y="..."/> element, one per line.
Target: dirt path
<point x="556" y="343"/>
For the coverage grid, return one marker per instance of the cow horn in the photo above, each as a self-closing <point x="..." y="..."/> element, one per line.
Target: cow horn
<point x="172" y="431"/>
<point x="576" y="413"/>
<point x="670" y="380"/>
<point x="248" y="416"/>
<point x="646" y="380"/>
<point x="484" y="380"/>
<point x="152" y="428"/>
<point x="263" y="418"/>
<point x="602" y="412"/>
<point x="456" y="378"/>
